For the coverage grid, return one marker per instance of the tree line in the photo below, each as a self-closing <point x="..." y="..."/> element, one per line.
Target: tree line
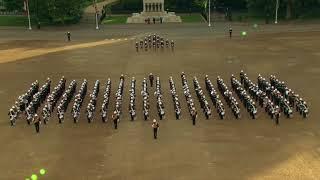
<point x="71" y="10"/>
<point x="289" y="9"/>
<point x="51" y="11"/>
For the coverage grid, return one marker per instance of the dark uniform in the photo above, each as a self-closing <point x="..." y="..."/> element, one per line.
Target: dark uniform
<point x="37" y="123"/>
<point x="194" y="117"/>
<point x="155" y="126"/>
<point x="151" y="78"/>
<point x="230" y="33"/>
<point x="242" y="76"/>
<point x="172" y="45"/>
<point x="115" y="118"/>
<point x="277" y="114"/>
<point x="69" y="36"/>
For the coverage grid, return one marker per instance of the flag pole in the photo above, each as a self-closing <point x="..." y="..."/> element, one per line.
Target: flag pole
<point x="96" y="8"/>
<point x="277" y="7"/>
<point x="27" y="4"/>
<point x="209" y="13"/>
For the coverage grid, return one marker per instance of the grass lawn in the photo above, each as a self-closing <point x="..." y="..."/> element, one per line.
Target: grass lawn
<point x="115" y="20"/>
<point x="13" y="21"/>
<point x="193" y="18"/>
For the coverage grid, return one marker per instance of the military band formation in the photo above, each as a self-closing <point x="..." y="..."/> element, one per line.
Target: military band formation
<point x="154" y="42"/>
<point x="272" y="95"/>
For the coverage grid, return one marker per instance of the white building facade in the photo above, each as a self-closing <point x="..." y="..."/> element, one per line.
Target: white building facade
<point x="153" y="9"/>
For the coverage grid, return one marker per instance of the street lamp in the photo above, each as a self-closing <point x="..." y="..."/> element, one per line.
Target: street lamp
<point x="277" y="7"/>
<point x="96" y="8"/>
<point x="28" y="11"/>
<point x="209" y="13"/>
<point x="97" y="24"/>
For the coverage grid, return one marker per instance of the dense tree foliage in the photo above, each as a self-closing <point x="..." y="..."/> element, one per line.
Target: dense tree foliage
<point x="288" y="9"/>
<point x="14" y="5"/>
<point x="61" y="11"/>
<point x="64" y="10"/>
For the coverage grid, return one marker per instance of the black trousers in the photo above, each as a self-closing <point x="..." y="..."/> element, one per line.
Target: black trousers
<point x="115" y="124"/>
<point x="155" y="133"/>
<point x="277" y="119"/>
<point x="37" y="125"/>
<point x="193" y="120"/>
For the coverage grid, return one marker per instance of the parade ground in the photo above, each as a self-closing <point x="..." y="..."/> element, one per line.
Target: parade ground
<point x="212" y="149"/>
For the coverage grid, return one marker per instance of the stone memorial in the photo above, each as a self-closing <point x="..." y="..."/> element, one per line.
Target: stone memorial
<point x="153" y="10"/>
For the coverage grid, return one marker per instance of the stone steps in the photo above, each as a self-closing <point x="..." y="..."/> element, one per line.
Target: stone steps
<point x="155" y="14"/>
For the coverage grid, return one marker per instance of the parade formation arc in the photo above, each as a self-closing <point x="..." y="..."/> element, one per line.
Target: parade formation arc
<point x="274" y="96"/>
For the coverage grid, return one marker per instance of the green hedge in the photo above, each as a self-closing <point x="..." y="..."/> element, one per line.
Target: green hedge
<point x="13" y="21"/>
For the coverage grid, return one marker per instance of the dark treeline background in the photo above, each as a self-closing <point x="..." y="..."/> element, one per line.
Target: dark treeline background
<point x="70" y="11"/>
<point x="288" y="9"/>
<point x="51" y="11"/>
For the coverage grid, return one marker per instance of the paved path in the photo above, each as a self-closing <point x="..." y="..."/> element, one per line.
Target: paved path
<point x="89" y="12"/>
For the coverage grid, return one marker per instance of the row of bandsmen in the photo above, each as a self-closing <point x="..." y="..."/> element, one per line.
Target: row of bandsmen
<point x="132" y="103"/>
<point x="267" y="95"/>
<point x="261" y="97"/>
<point x="22" y="103"/>
<point x="291" y="96"/>
<point x="36" y="101"/>
<point x="187" y="94"/>
<point x="176" y="103"/>
<point x="93" y="101"/>
<point x="52" y="99"/>
<point x="215" y="98"/>
<point x="275" y="96"/>
<point x="227" y="94"/>
<point x="106" y="100"/>
<point x="248" y="102"/>
<point x="66" y="99"/>
<point x="79" y="98"/>
<point x="154" y="41"/>
<point x="158" y="94"/>
<point x="145" y="97"/>
<point x="119" y="97"/>
<point x="202" y="98"/>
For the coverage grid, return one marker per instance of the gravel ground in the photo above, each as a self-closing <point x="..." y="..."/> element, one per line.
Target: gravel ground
<point x="213" y="149"/>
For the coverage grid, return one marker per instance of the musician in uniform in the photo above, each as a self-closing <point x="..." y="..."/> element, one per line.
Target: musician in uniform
<point x="151" y="78"/>
<point x="37" y="122"/>
<point x="155" y="127"/>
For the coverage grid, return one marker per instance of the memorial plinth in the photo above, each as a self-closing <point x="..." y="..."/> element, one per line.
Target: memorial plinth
<point x="153" y="9"/>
